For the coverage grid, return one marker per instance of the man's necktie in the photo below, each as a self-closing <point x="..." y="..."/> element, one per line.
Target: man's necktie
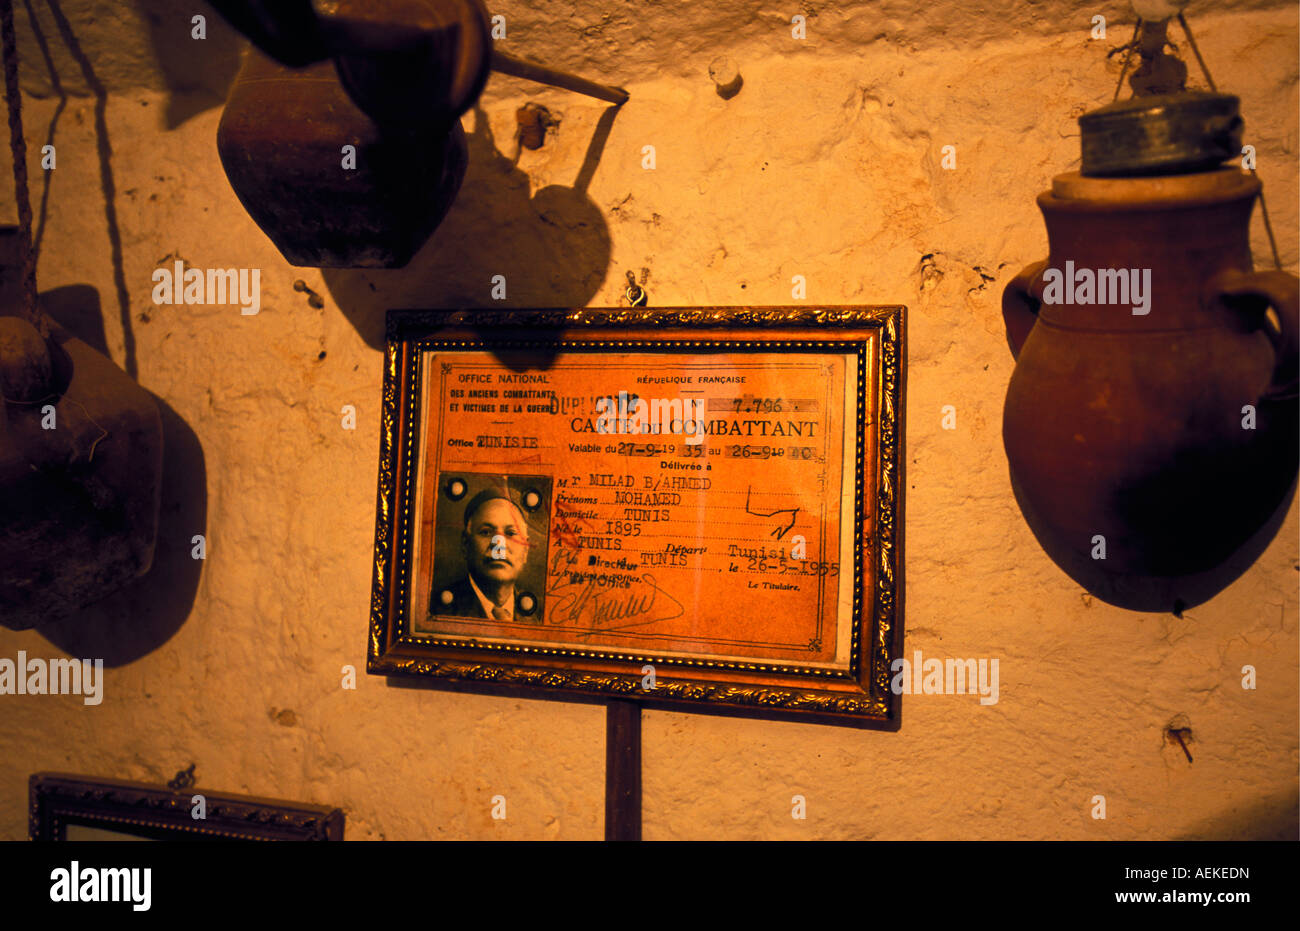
<point x="500" y="613"/>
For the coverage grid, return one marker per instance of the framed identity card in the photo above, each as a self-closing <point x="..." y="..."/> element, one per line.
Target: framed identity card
<point x="697" y="509"/>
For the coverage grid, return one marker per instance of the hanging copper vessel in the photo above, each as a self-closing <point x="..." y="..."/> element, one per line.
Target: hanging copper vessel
<point x="391" y="79"/>
<point x="401" y="73"/>
<point x="80" y="441"/>
<point x="80" y="479"/>
<point x="80" y="465"/>
<point x="281" y="142"/>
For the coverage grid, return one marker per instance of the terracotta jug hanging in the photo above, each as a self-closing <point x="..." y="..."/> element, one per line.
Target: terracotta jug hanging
<point x="1151" y="436"/>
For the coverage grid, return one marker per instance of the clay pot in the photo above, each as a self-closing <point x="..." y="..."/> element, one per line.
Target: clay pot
<point x="80" y="477"/>
<point x="398" y="59"/>
<point x="1170" y="434"/>
<point x="281" y="142"/>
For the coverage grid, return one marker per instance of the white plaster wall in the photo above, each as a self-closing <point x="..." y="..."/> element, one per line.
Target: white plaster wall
<point x="827" y="165"/>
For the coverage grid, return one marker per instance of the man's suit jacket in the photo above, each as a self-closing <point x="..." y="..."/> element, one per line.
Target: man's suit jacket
<point x="465" y="603"/>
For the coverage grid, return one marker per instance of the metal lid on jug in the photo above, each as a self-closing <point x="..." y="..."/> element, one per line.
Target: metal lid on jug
<point x="1161" y="134"/>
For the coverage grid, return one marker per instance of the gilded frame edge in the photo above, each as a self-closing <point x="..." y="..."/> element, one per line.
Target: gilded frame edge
<point x="110" y="803"/>
<point x="875" y="707"/>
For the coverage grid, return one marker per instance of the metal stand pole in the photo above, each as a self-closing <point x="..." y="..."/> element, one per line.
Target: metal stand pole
<point x="623" y="770"/>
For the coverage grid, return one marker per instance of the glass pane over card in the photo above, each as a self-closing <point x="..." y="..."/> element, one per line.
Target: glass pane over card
<point x="696" y="506"/>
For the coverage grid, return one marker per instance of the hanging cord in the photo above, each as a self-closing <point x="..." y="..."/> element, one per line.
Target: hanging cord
<point x="18" y="148"/>
<point x="1197" y="52"/>
<point x="1263" y="208"/>
<point x="1128" y="53"/>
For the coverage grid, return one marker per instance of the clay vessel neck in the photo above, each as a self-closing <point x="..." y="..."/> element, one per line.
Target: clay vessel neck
<point x="1133" y="254"/>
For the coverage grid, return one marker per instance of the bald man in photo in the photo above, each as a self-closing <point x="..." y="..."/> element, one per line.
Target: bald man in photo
<point x="495" y="544"/>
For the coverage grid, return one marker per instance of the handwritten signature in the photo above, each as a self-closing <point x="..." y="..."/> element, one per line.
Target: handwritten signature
<point x="590" y="604"/>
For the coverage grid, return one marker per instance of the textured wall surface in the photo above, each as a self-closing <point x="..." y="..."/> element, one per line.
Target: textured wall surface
<point x="827" y="164"/>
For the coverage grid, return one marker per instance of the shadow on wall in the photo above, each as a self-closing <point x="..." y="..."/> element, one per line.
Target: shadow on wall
<point x="104" y="151"/>
<point x="553" y="248"/>
<point x="198" y="72"/>
<point x="144" y="614"/>
<point x="1272" y="818"/>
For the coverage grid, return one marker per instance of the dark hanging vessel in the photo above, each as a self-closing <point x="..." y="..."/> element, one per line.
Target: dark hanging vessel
<point x="400" y="75"/>
<point x="281" y="142"/>
<point x="1152" y="440"/>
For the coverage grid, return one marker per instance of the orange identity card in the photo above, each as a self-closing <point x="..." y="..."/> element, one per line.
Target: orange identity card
<point x="697" y="506"/>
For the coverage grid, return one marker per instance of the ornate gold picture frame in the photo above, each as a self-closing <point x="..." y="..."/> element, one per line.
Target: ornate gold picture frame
<point x="697" y="509"/>
<point x="66" y="807"/>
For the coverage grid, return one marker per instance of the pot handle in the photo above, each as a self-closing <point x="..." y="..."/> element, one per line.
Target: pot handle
<point x="1281" y="291"/>
<point x="1021" y="299"/>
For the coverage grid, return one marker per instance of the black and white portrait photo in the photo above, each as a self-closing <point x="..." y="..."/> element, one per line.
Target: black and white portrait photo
<point x="490" y="547"/>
